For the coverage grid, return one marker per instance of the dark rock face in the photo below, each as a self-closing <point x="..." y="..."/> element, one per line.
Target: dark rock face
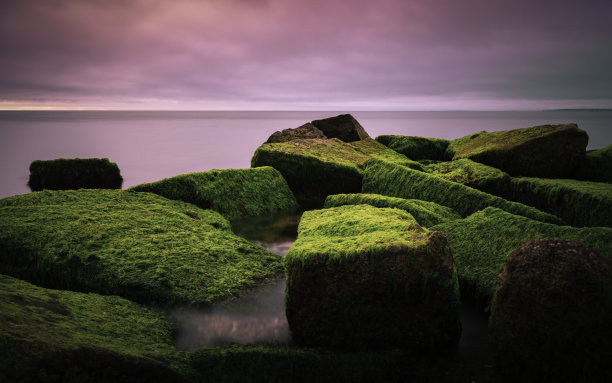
<point x="307" y="130"/>
<point x="344" y="127"/>
<point x="77" y="173"/>
<point x="597" y="166"/>
<point x="551" y="316"/>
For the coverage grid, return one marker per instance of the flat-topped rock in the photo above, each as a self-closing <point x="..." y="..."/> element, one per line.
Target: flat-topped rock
<point x="597" y="166"/>
<point x="343" y="127"/>
<point x="416" y="148"/>
<point x="553" y="151"/>
<point x="360" y="277"/>
<point x="74" y="173"/>
<point x="307" y="130"/>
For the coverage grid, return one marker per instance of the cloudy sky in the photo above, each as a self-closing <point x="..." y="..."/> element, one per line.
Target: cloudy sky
<point x="305" y="55"/>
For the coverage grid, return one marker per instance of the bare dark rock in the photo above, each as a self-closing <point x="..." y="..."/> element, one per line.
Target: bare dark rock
<point x="344" y="127"/>
<point x="307" y="130"/>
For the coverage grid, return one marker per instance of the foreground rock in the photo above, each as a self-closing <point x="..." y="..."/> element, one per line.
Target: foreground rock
<point x="235" y="193"/>
<point x="359" y="277"/>
<point x="481" y="242"/>
<point x="343" y="127"/>
<point x="416" y="148"/>
<point x="597" y="166"/>
<point x="56" y="335"/>
<point x="384" y="177"/>
<point x="551" y="317"/>
<point x="553" y="151"/>
<point x="426" y="213"/>
<point x="307" y="130"/>
<point x="137" y="245"/>
<point x="77" y="173"/>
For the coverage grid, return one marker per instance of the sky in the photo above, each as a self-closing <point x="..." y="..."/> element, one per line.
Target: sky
<point x="305" y="55"/>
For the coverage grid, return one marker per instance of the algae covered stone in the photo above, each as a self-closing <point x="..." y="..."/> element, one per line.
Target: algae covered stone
<point x="343" y="127"/>
<point x="361" y="277"/>
<point x="597" y="166"/>
<point x="137" y="245"/>
<point x="416" y="148"/>
<point x="74" y="173"/>
<point x="551" y="316"/>
<point x="553" y="151"/>
<point x="426" y="213"/>
<point x="58" y="335"/>
<point x="481" y="242"/>
<point x="307" y="130"/>
<point x="469" y="173"/>
<point x="235" y="193"/>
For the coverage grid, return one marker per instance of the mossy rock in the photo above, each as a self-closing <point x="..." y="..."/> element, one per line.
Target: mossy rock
<point x="469" y="173"/>
<point x="426" y="213"/>
<point x="597" y="166"/>
<point x="416" y="148"/>
<point x="235" y="193"/>
<point x="75" y="173"/>
<point x="308" y="130"/>
<point x="481" y="242"/>
<point x="137" y="245"/>
<point x="579" y="203"/>
<point x="316" y="168"/>
<point x="343" y="127"/>
<point x="551" y="316"/>
<point x="360" y="277"/>
<point x="56" y="335"/>
<point x="383" y="177"/>
<point x="553" y="151"/>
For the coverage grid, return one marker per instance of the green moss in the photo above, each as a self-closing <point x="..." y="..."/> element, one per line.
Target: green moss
<point x="481" y="242"/>
<point x="597" y="166"/>
<point x="68" y="336"/>
<point x="469" y="173"/>
<point x="363" y="277"/>
<point x="580" y="203"/>
<point x="426" y="213"/>
<point x="235" y="193"/>
<point x="417" y="148"/>
<point x="137" y="245"/>
<point x="383" y="177"/>
<point x="541" y="151"/>
<point x="77" y="173"/>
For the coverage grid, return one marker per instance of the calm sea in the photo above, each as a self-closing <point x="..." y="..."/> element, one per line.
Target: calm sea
<point x="149" y="146"/>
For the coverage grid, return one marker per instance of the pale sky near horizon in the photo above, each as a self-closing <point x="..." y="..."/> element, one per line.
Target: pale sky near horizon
<point x="305" y="55"/>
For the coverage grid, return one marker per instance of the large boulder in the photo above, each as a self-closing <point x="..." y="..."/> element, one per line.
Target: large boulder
<point x="235" y="193"/>
<point x="360" y="277"/>
<point x="551" y="316"/>
<point x="75" y="173"/>
<point x="481" y="242"/>
<point x="416" y="148"/>
<point x="597" y="166"/>
<point x="64" y="336"/>
<point x="469" y="173"/>
<point x="343" y="127"/>
<point x="553" y="151"/>
<point x="426" y="213"/>
<point x="307" y="130"/>
<point x="140" y="246"/>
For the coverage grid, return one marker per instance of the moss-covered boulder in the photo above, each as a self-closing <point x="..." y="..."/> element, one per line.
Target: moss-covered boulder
<point x="416" y="148"/>
<point x="137" y="245"/>
<point x="360" y="277"/>
<point x="235" y="193"/>
<point x="481" y="242"/>
<point x="469" y="173"/>
<point x="307" y="130"/>
<point x="597" y="166"/>
<point x="65" y="336"/>
<point x="383" y="177"/>
<point x="316" y="168"/>
<point x="551" y="316"/>
<point x="75" y="173"/>
<point x="426" y="213"/>
<point x="553" y="151"/>
<point x="343" y="127"/>
<point x="579" y="203"/>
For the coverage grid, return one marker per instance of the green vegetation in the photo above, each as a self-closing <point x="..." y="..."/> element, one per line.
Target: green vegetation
<point x="481" y="242"/>
<point x="316" y="168"/>
<point x="383" y="177"/>
<point x="543" y="151"/>
<point x="417" y="148"/>
<point x="235" y="193"/>
<point x="580" y="203"/>
<point x="55" y="335"/>
<point x="426" y="213"/>
<point x="469" y="173"/>
<point x="77" y="173"/>
<point x="597" y="166"/>
<point x="137" y="245"/>
<point x="360" y="277"/>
